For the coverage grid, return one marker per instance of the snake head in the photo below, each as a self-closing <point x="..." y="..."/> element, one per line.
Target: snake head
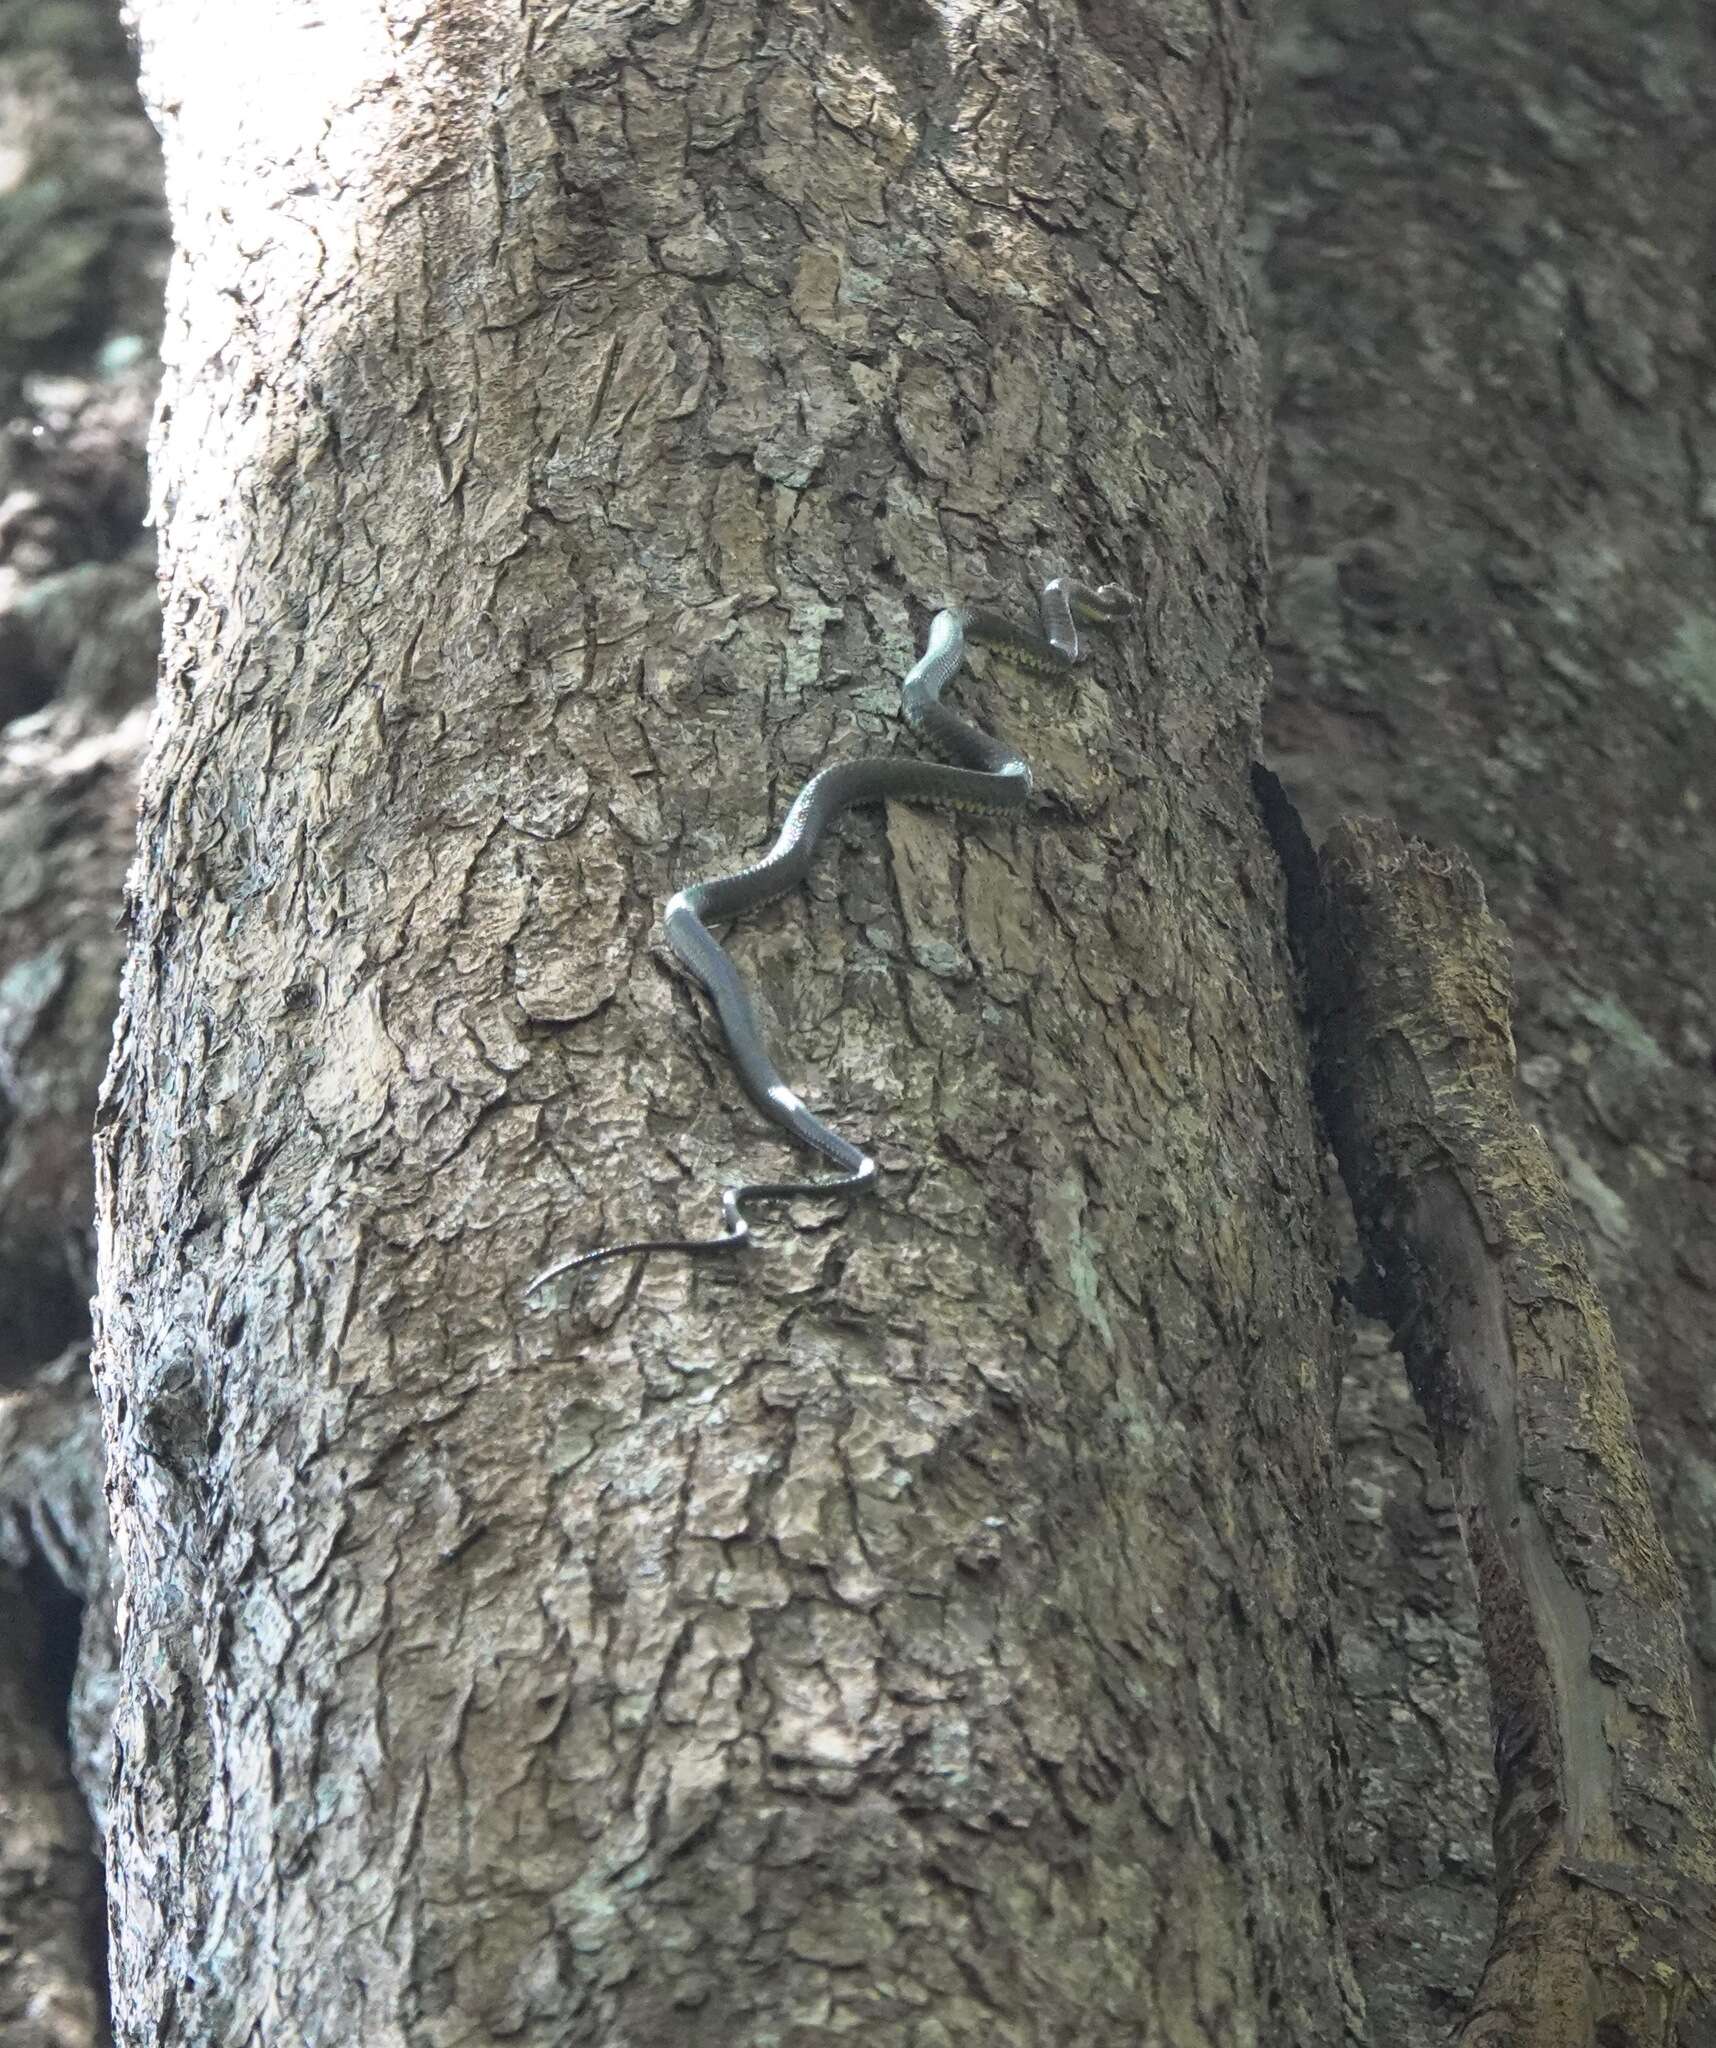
<point x="1109" y="601"/>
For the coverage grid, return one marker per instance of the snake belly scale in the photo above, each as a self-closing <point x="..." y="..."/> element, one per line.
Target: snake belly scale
<point x="980" y="774"/>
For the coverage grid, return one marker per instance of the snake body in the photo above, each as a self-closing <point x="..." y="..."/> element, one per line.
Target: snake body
<point x="981" y="774"/>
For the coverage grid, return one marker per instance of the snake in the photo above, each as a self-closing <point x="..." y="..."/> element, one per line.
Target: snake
<point x="980" y="775"/>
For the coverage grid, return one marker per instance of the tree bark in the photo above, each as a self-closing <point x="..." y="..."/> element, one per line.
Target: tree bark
<point x="920" y="1629"/>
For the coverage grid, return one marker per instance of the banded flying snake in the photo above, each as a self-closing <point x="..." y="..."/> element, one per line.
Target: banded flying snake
<point x="981" y="774"/>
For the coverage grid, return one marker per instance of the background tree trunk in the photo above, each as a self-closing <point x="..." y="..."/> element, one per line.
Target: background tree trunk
<point x="571" y="421"/>
<point x="82" y="254"/>
<point x="1484" y="238"/>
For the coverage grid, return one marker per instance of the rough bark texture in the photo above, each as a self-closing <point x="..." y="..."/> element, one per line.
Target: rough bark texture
<point x="1606" y="1823"/>
<point x="1484" y="235"/>
<point x="920" y="1630"/>
<point x="82" y="251"/>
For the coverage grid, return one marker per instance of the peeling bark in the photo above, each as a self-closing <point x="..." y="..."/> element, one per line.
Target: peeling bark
<point x="920" y="1630"/>
<point x="1606" y="1823"/>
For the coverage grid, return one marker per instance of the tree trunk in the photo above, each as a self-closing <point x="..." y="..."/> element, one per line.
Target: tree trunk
<point x="1484" y="239"/>
<point x="921" y="1627"/>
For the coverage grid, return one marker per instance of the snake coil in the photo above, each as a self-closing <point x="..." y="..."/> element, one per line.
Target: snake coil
<point x="986" y="776"/>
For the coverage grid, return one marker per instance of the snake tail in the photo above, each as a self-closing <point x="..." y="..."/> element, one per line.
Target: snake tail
<point x="980" y="775"/>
